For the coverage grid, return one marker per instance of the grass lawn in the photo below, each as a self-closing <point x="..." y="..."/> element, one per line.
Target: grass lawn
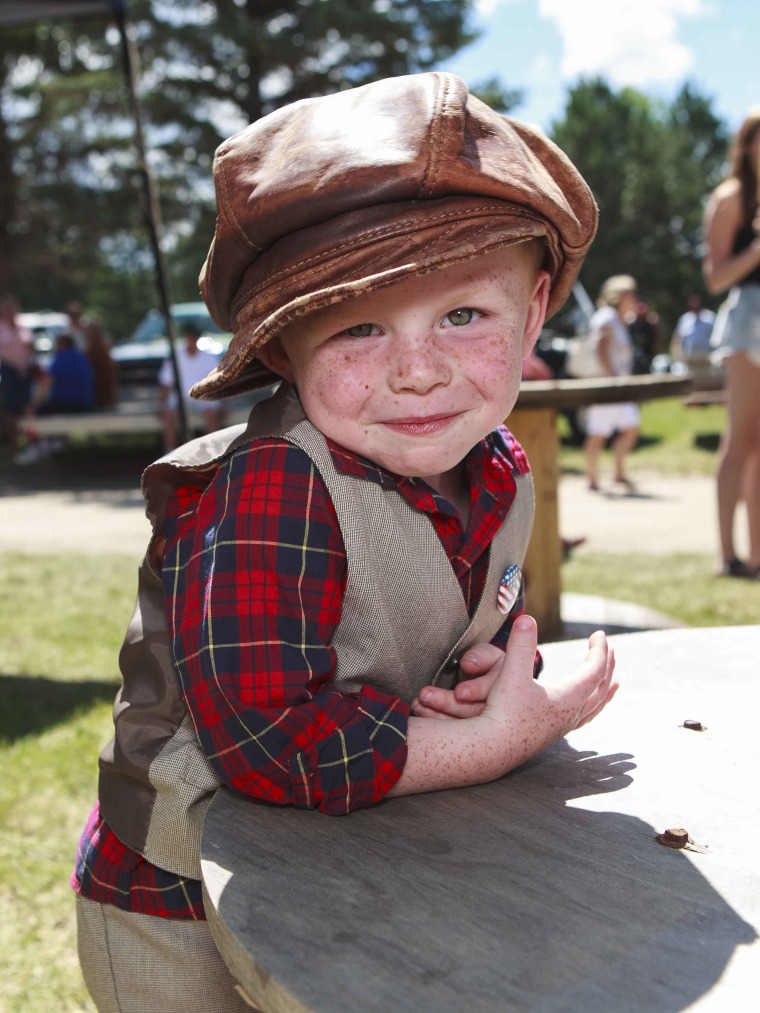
<point x="58" y="677"/>
<point x="687" y="595"/>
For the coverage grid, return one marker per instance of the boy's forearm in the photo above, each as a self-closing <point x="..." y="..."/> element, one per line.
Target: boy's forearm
<point x="454" y="754"/>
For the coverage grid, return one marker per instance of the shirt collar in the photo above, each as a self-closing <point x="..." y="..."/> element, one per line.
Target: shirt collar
<point x="493" y="463"/>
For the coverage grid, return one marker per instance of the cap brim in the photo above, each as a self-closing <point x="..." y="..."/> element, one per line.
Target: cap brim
<point x="418" y="242"/>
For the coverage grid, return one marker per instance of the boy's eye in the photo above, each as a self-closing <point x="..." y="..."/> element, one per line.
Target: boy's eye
<point x="359" y="330"/>
<point x="460" y="317"/>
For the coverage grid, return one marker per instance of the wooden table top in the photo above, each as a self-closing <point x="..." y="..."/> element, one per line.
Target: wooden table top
<point x="546" y="890"/>
<point x="563" y="394"/>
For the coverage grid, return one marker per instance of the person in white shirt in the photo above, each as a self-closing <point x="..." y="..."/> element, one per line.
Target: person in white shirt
<point x="614" y="350"/>
<point x="691" y="338"/>
<point x="193" y="365"/>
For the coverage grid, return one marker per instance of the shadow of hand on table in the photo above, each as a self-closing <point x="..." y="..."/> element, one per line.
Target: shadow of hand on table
<point x="499" y="896"/>
<point x="623" y="922"/>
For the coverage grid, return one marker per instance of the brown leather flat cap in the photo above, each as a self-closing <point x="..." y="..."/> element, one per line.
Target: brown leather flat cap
<point x="332" y="197"/>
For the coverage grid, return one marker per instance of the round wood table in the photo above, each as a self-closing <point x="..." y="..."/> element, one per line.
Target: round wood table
<point x="534" y="422"/>
<point x="546" y="890"/>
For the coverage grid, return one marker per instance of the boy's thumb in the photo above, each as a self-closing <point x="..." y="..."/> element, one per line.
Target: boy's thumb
<point x="521" y="648"/>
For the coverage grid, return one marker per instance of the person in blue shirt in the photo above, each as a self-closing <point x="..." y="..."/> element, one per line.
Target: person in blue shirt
<point x="70" y="384"/>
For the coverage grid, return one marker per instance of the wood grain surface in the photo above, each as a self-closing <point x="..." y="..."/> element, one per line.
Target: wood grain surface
<point x="546" y="890"/>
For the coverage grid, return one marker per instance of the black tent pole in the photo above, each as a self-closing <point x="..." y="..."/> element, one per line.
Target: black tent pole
<point x="152" y="208"/>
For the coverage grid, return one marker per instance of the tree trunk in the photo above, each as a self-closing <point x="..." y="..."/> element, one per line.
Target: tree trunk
<point x="253" y="104"/>
<point x="8" y="241"/>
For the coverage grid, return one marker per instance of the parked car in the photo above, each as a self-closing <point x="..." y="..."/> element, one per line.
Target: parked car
<point x="45" y="326"/>
<point x="139" y="359"/>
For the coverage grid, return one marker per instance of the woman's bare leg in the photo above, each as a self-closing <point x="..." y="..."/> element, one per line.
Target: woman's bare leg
<point x="592" y="448"/>
<point x="739" y="444"/>
<point x="751" y="489"/>
<point x="622" y="446"/>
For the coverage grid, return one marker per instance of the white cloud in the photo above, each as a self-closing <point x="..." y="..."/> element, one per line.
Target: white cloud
<point x="629" y="42"/>
<point x="485" y="8"/>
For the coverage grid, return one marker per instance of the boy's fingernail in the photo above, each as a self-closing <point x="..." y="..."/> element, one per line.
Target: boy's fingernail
<point x="523" y="623"/>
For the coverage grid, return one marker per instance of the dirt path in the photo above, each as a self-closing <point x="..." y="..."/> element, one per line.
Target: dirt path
<point x="664" y="515"/>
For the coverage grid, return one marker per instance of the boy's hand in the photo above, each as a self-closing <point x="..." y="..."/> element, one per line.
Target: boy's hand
<point x="542" y="714"/>
<point x="518" y="719"/>
<point x="485" y="662"/>
<point x="480" y="666"/>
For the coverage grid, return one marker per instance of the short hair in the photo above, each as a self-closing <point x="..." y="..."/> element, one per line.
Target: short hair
<point x="615" y="288"/>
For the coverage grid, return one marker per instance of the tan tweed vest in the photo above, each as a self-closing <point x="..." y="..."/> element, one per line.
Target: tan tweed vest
<point x="403" y="626"/>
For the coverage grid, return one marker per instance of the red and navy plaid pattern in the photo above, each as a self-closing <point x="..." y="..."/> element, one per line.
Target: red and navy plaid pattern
<point x="254" y="574"/>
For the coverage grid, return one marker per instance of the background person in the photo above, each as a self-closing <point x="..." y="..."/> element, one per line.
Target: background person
<point x="644" y="327"/>
<point x="16" y="370"/>
<point x="97" y="348"/>
<point x="614" y="348"/>
<point x="691" y="342"/>
<point x="65" y="388"/>
<point x="732" y="261"/>
<point x="68" y="387"/>
<point x="193" y="365"/>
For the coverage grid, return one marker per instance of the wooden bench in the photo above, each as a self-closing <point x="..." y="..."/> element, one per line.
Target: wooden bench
<point x="707" y="388"/>
<point x="131" y="417"/>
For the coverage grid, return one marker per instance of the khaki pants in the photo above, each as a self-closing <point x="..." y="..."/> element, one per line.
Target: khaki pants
<point x="135" y="963"/>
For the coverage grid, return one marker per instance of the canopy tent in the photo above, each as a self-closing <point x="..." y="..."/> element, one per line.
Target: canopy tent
<point x="17" y="12"/>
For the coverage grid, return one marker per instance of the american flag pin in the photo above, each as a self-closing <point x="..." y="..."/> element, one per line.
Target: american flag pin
<point x="509" y="589"/>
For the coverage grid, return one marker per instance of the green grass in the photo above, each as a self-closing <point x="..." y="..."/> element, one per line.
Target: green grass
<point x="674" y="440"/>
<point x="689" y="594"/>
<point x="62" y="619"/>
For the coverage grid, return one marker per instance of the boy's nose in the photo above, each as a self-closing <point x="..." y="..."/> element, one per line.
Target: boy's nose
<point x="418" y="365"/>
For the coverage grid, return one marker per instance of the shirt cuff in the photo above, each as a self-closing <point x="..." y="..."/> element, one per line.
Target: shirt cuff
<point x="358" y="764"/>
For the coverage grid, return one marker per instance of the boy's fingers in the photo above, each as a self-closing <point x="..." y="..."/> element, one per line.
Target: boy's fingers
<point x="520" y="653"/>
<point x="420" y="711"/>
<point x="478" y="660"/>
<point x="436" y="702"/>
<point x="476" y="689"/>
<point x="591" y="714"/>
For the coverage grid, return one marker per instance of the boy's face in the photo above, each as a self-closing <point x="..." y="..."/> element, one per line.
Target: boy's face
<point x="416" y="374"/>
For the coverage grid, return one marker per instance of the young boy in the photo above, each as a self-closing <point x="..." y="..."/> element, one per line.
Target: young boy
<point x="352" y="555"/>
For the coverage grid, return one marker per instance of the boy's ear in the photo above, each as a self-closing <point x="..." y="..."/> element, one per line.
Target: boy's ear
<point x="536" y="315"/>
<point x="274" y="357"/>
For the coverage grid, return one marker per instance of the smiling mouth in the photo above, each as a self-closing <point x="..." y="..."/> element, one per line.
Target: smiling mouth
<point x="421" y="427"/>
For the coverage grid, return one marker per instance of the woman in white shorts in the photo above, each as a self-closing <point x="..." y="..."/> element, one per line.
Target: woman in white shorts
<point x="732" y="262"/>
<point x="614" y="350"/>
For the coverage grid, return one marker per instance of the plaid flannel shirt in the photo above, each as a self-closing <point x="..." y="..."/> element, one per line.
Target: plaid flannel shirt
<point x="254" y="573"/>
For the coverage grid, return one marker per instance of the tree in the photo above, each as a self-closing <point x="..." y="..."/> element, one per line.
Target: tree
<point x="651" y="166"/>
<point x="207" y="69"/>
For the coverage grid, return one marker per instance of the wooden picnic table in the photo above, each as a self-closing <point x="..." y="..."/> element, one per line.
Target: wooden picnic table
<point x="545" y="890"/>
<point x="534" y="422"/>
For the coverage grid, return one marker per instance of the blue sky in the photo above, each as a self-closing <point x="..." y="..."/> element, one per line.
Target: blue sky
<point x="544" y="46"/>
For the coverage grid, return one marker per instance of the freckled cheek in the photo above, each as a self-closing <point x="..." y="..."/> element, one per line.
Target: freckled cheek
<point x="494" y="362"/>
<point x="342" y="385"/>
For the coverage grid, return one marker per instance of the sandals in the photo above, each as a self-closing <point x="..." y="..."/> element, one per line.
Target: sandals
<point x="738" y="568"/>
<point x="626" y="483"/>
